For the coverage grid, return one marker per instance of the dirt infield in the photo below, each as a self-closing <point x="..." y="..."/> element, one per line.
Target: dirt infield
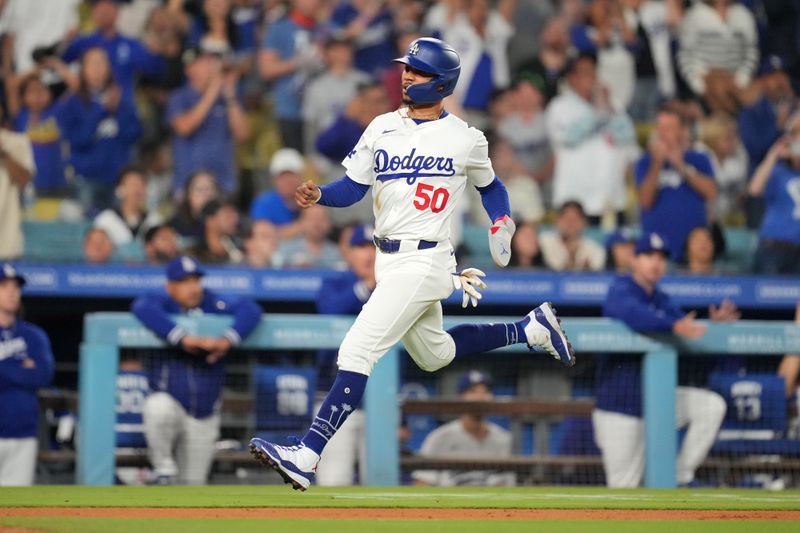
<point x="395" y="514"/>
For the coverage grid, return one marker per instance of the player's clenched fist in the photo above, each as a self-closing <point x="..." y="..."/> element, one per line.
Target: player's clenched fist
<point x="307" y="194"/>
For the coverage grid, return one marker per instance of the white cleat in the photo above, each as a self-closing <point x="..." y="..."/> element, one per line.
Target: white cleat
<point x="288" y="461"/>
<point x="544" y="331"/>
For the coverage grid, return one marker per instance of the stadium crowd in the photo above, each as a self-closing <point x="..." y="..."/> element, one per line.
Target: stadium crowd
<point x="185" y="125"/>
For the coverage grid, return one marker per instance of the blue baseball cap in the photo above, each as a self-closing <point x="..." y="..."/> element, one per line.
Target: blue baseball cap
<point x="770" y="64"/>
<point x="182" y="267"/>
<point x="621" y="235"/>
<point x="7" y="271"/>
<point x="651" y="242"/>
<point x="362" y="235"/>
<point x="472" y="378"/>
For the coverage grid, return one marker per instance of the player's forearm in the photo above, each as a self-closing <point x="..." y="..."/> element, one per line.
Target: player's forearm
<point x="158" y="321"/>
<point x="19" y="175"/>
<point x="789" y="369"/>
<point x="494" y="198"/>
<point x="761" y="176"/>
<point x="638" y="316"/>
<point x="186" y="123"/>
<point x="648" y="190"/>
<point x="343" y="192"/>
<point x="271" y="66"/>
<point x="31" y="378"/>
<point x="702" y="184"/>
<point x="237" y="121"/>
<point x="247" y="315"/>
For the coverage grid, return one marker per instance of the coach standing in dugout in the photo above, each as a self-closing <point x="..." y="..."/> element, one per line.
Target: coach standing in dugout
<point x="637" y="300"/>
<point x="186" y="383"/>
<point x="26" y="364"/>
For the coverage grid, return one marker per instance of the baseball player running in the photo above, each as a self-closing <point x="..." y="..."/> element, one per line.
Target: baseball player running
<point x="419" y="160"/>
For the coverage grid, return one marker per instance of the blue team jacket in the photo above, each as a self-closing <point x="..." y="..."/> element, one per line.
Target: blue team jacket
<point x="195" y="384"/>
<point x="19" y="406"/>
<point x="101" y="141"/>
<point x="618" y="377"/>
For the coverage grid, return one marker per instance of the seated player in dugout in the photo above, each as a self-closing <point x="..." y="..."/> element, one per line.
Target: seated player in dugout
<point x="470" y="435"/>
<point x="419" y="159"/>
<point x="182" y="411"/>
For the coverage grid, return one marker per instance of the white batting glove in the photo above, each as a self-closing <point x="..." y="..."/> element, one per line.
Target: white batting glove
<point x="468" y="279"/>
<point x="500" y="240"/>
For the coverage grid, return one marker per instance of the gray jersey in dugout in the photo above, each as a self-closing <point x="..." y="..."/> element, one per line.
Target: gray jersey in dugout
<point x="451" y="440"/>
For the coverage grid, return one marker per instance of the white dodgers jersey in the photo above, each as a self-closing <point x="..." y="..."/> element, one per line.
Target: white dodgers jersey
<point x="418" y="172"/>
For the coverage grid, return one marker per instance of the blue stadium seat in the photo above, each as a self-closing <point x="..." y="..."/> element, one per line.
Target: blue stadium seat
<point x="284" y="397"/>
<point x="474" y="237"/>
<point x="54" y="241"/>
<point x="756" y="419"/>
<point x="740" y="244"/>
<point x="132" y="252"/>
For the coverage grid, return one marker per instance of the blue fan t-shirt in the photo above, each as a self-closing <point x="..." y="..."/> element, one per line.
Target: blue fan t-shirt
<point x="782" y="194"/>
<point x="210" y="147"/>
<point x="270" y="206"/>
<point x="47" y="141"/>
<point x="678" y="208"/>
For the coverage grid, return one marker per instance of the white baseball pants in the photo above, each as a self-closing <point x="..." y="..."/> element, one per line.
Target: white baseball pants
<point x="18" y="461"/>
<point x="404" y="306"/>
<point x="168" y="427"/>
<point x="621" y="437"/>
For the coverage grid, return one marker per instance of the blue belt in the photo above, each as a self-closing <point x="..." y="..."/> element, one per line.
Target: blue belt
<point x="391" y="246"/>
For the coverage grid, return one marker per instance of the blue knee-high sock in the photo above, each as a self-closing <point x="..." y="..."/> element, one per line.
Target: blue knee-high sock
<point x="479" y="338"/>
<point x="344" y="396"/>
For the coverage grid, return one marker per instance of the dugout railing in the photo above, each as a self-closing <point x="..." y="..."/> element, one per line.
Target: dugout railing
<point x="106" y="333"/>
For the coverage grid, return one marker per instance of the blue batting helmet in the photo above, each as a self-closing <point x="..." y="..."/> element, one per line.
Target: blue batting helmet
<point x="438" y="59"/>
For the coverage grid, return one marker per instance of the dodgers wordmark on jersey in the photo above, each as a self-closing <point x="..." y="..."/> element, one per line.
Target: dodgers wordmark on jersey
<point x="419" y="172"/>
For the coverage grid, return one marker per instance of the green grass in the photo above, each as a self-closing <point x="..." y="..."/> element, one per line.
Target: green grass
<point x="282" y="496"/>
<point x="171" y="525"/>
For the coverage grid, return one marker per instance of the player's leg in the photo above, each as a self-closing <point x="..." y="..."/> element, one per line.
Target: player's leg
<point x="621" y="440"/>
<point x="432" y="348"/>
<point x="407" y="286"/>
<point x="427" y="343"/>
<point x="338" y="461"/>
<point x="540" y="330"/>
<point x="18" y="461"/>
<point x="701" y="411"/>
<point x="195" y="452"/>
<point x="162" y="419"/>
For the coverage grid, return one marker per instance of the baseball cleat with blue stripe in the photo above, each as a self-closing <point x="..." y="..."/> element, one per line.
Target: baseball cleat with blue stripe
<point x="544" y="331"/>
<point x="286" y="461"/>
